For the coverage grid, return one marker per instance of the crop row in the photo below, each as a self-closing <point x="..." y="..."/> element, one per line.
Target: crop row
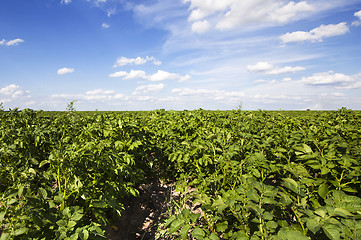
<point x="253" y="175"/>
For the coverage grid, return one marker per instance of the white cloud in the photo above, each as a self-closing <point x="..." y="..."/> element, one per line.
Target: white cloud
<point x="267" y="68"/>
<point x="230" y="14"/>
<point x="209" y="93"/>
<point x="156" y="77"/>
<point x="100" y="91"/>
<point x="13" y="42"/>
<point x="201" y="26"/>
<point x="333" y="94"/>
<point x="65" y="70"/>
<point x="65" y="1"/>
<point x="135" y="74"/>
<point x="352" y="85"/>
<point x="12" y="91"/>
<point x="149" y="88"/>
<point x="162" y="75"/>
<point x="118" y="74"/>
<point x="105" y="25"/>
<point x="317" y="34"/>
<point x="122" y="61"/>
<point x="357" y="23"/>
<point x="93" y="95"/>
<point x="327" y="78"/>
<point x="260" y="67"/>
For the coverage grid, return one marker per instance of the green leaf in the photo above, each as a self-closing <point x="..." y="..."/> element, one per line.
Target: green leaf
<point x="74" y="236"/>
<point x="332" y="231"/>
<point x="185" y="213"/>
<point x="341" y="212"/>
<point x="169" y="221"/>
<point x="84" y="234"/>
<point x="291" y="185"/>
<point x="176" y="224"/>
<point x="198" y="233"/>
<point x="323" y="190"/>
<point x="76" y="216"/>
<point x="5" y="236"/>
<point x="61" y="223"/>
<point x="222" y="227"/>
<point x="21" y="231"/>
<point x="71" y="224"/>
<point x="43" y="163"/>
<point x="321" y="212"/>
<point x="43" y="193"/>
<point x="288" y="234"/>
<point x="213" y="236"/>
<point x="271" y="225"/>
<point x="313" y="225"/>
<point x="219" y="205"/>
<point x="194" y="217"/>
<point x="2" y="215"/>
<point x="306" y="148"/>
<point x="20" y="190"/>
<point x="267" y="216"/>
<point x="184" y="231"/>
<point x="256" y="173"/>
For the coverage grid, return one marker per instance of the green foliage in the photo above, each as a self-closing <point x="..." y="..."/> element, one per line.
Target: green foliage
<point x="254" y="175"/>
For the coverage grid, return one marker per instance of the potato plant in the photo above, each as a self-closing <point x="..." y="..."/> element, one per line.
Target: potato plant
<point x="253" y="174"/>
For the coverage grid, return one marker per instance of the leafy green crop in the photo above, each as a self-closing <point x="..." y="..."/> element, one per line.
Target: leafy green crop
<point x="254" y="175"/>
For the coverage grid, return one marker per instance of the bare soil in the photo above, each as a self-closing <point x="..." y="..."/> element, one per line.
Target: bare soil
<point x="142" y="214"/>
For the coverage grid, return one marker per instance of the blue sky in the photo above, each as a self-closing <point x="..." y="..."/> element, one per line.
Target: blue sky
<point x="180" y="54"/>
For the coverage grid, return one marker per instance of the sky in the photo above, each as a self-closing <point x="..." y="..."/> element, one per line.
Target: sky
<point x="180" y="54"/>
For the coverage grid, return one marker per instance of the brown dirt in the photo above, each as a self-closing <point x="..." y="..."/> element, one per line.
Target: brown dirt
<point x="142" y="214"/>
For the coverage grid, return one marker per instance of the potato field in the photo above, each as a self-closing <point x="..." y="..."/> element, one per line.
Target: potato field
<point x="240" y="174"/>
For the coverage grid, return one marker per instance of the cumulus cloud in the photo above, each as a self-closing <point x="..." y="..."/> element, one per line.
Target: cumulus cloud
<point x="93" y="95"/>
<point x="209" y="93"/>
<point x="65" y="1"/>
<point x="201" y="26"/>
<point x="327" y="78"/>
<point x="149" y="88"/>
<point x="13" y="42"/>
<point x="317" y="34"/>
<point x="135" y="74"/>
<point x="12" y="91"/>
<point x="357" y="23"/>
<point x="65" y="70"/>
<point x="230" y="14"/>
<point x="163" y="75"/>
<point x="118" y="74"/>
<point x="122" y="61"/>
<point x="156" y="77"/>
<point x="352" y="85"/>
<point x="105" y="25"/>
<point x="269" y="69"/>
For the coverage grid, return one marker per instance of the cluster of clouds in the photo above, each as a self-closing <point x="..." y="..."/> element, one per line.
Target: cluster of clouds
<point x="270" y="69"/>
<point x="13" y="42"/>
<point x="325" y="86"/>
<point x="230" y="14"/>
<point x="160" y="75"/>
<point x="316" y="34"/>
<point x="122" y="61"/>
<point x="93" y="95"/>
<point x="358" y="22"/>
<point x="205" y="16"/>
<point x="12" y="92"/>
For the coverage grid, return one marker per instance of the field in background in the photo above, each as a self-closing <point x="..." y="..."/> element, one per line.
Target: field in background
<point x="240" y="174"/>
